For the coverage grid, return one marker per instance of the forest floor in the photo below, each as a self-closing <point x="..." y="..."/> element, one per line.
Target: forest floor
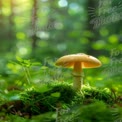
<point x="57" y="102"/>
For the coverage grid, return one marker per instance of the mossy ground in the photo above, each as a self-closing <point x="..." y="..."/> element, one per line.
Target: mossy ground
<point x="49" y="99"/>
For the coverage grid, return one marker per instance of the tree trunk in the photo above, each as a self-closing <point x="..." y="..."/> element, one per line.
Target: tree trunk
<point x="11" y="22"/>
<point x="34" y="24"/>
<point x="11" y="33"/>
<point x="1" y="16"/>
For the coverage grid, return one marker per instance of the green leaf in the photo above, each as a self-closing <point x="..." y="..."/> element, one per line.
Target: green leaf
<point x="19" y="59"/>
<point x="36" y="63"/>
<point x="43" y="88"/>
<point x="56" y="94"/>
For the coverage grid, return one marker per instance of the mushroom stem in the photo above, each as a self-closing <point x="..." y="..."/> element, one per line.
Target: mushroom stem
<point x="77" y="76"/>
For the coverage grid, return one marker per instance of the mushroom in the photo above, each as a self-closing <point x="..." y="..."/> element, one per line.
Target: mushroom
<point x="77" y="62"/>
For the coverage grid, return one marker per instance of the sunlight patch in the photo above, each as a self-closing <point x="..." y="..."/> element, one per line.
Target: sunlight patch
<point x="23" y="51"/>
<point x="63" y="3"/>
<point x="75" y="7"/>
<point x="43" y="35"/>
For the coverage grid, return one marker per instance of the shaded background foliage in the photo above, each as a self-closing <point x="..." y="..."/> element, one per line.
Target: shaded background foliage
<point x="42" y="28"/>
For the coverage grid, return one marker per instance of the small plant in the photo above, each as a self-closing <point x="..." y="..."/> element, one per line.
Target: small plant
<point x="26" y="65"/>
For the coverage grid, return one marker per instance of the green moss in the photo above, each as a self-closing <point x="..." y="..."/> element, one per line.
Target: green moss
<point x="39" y="102"/>
<point x="71" y="104"/>
<point x="94" y="112"/>
<point x="91" y="94"/>
<point x="99" y="94"/>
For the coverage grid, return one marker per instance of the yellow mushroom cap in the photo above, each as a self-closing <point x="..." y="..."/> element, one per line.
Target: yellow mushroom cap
<point x="86" y="60"/>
